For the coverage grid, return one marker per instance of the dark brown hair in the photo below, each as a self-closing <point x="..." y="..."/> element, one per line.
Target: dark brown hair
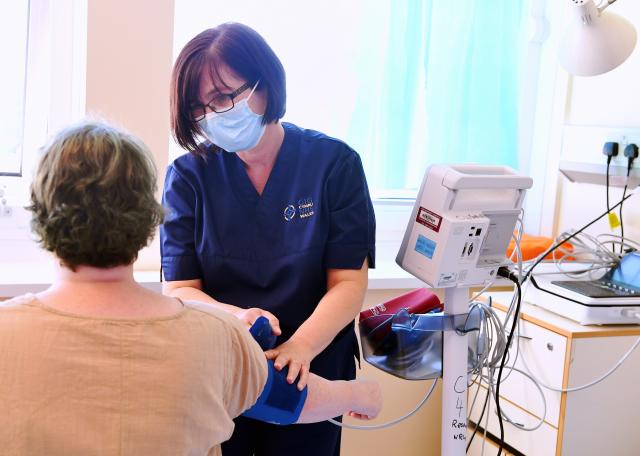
<point x="92" y="197"/>
<point x="246" y="53"/>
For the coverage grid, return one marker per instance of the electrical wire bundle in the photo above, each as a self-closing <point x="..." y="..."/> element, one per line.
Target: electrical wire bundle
<point x="596" y="253"/>
<point x="496" y="337"/>
<point x="490" y="374"/>
<point x="599" y="254"/>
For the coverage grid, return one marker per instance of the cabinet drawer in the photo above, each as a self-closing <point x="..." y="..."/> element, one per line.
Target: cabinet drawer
<point x="541" y="442"/>
<point x="544" y="352"/>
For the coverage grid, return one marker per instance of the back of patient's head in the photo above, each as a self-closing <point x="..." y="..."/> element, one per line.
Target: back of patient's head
<point x="92" y="197"/>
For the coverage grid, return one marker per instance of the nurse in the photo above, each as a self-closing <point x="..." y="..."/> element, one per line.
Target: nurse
<point x="265" y="218"/>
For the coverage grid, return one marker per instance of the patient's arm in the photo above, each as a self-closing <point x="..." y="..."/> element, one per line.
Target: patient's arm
<point x="283" y="403"/>
<point x="327" y="399"/>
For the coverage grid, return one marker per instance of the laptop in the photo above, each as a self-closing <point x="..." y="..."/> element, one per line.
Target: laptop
<point x="621" y="281"/>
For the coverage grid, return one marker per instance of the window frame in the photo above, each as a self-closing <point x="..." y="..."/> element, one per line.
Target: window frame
<point x="7" y="173"/>
<point x="57" y="37"/>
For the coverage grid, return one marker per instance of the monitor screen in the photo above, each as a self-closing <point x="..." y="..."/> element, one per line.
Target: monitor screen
<point x="627" y="273"/>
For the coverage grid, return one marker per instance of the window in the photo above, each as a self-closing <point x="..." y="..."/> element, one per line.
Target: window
<point x="404" y="83"/>
<point x="43" y="84"/>
<point x="14" y="33"/>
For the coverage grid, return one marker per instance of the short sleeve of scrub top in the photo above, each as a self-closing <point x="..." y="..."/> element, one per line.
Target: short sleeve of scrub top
<point x="178" y="251"/>
<point x="271" y="250"/>
<point x="351" y="222"/>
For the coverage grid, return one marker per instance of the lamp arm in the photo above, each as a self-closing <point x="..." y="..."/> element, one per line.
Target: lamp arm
<point x="604" y="4"/>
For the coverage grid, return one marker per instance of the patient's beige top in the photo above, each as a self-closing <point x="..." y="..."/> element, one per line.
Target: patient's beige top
<point x="75" y="385"/>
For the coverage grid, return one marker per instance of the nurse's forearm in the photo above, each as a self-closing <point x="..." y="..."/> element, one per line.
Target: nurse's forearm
<point x="191" y="290"/>
<point x="193" y="294"/>
<point x="338" y="307"/>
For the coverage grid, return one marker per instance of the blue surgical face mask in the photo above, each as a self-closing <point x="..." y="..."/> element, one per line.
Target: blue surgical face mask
<point x="235" y="130"/>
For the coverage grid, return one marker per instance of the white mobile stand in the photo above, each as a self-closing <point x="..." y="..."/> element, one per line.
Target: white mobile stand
<point x="460" y="227"/>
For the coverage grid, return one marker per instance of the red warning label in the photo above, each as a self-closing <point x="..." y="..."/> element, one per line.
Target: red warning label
<point x="429" y="219"/>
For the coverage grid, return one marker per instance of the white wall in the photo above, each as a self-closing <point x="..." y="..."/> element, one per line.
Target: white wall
<point x="129" y="59"/>
<point x="611" y="101"/>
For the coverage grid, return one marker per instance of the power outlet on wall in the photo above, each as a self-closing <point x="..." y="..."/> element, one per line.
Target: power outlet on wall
<point x="14" y="220"/>
<point x="5" y="209"/>
<point x="582" y="159"/>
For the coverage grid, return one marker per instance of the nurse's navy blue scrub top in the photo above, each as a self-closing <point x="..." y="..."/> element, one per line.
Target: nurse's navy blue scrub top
<point x="273" y="250"/>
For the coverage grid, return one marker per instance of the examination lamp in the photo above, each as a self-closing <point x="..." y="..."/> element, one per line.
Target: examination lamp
<point x="596" y="41"/>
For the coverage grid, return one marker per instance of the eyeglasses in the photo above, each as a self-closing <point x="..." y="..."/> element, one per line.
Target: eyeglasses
<point x="222" y="102"/>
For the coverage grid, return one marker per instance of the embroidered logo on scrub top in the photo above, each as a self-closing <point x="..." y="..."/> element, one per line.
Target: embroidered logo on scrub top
<point x="305" y="207"/>
<point x="289" y="212"/>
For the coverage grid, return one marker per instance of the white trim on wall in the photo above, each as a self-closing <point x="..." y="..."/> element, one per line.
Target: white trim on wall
<point x="550" y="114"/>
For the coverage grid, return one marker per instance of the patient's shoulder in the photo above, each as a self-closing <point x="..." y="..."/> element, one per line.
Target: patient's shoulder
<point x="18" y="302"/>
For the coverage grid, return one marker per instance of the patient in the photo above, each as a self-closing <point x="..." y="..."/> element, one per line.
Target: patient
<point x="98" y="364"/>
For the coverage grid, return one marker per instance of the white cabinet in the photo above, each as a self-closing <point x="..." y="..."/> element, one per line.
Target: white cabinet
<point x="601" y="420"/>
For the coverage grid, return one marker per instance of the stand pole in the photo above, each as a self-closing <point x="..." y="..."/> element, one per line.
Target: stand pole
<point x="454" y="378"/>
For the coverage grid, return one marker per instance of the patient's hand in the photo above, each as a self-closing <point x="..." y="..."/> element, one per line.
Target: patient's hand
<point x="367" y="399"/>
<point x="249" y="316"/>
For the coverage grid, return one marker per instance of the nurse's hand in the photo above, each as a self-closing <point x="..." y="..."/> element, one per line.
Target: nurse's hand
<point x="298" y="355"/>
<point x="249" y="316"/>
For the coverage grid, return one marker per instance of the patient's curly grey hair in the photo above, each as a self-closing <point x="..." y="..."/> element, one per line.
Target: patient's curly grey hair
<point x="92" y="197"/>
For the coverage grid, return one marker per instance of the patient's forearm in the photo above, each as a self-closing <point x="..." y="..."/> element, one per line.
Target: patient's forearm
<point x="328" y="399"/>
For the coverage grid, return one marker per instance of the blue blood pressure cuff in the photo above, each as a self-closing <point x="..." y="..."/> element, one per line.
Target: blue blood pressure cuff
<point x="280" y="402"/>
<point x="263" y="334"/>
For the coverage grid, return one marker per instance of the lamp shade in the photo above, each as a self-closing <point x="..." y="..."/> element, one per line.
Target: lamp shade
<point x="596" y="41"/>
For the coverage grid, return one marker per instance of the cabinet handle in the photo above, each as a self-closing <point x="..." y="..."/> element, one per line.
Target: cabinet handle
<point x="525" y="337"/>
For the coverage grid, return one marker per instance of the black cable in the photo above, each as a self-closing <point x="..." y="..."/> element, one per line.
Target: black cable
<point x="568" y="238"/>
<point x="610" y="149"/>
<point x="524" y="279"/>
<point x="484" y="408"/>
<point x="624" y="192"/>
<point x="504" y="272"/>
<point x="608" y="206"/>
<point x="631" y="152"/>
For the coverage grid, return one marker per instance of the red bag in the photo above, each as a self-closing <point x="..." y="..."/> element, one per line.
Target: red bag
<point x="376" y="320"/>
